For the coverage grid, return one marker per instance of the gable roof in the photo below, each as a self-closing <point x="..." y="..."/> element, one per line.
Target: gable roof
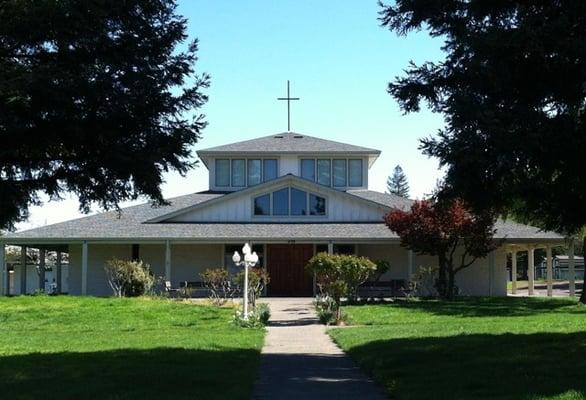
<point x="130" y="225"/>
<point x="288" y="142"/>
<point x="266" y="186"/>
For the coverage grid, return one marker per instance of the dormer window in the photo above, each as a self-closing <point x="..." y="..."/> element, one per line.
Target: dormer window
<point x="337" y="172"/>
<point x="289" y="202"/>
<point x="241" y="172"/>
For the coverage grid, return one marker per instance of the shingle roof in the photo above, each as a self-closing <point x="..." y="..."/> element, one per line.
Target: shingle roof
<point x="386" y="199"/>
<point x="130" y="224"/>
<point x="288" y="142"/>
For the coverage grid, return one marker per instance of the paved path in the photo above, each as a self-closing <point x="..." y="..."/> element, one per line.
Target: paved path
<point x="299" y="360"/>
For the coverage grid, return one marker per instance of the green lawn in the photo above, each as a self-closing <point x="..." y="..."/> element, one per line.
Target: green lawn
<point x="508" y="348"/>
<point x="79" y="348"/>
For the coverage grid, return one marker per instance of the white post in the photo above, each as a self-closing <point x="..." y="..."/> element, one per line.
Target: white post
<point x="410" y="263"/>
<point x="549" y="271"/>
<point x="23" y="270"/>
<point x="167" y="261"/>
<point x="84" y="267"/>
<point x="58" y="272"/>
<point x="572" y="268"/>
<point x="491" y="273"/>
<point x="3" y="271"/>
<point x="531" y="270"/>
<point x="42" y="264"/>
<point x="330" y="248"/>
<point x="514" y="272"/>
<point x="245" y="294"/>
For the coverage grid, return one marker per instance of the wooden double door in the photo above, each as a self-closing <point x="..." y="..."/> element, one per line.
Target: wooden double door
<point x="286" y="267"/>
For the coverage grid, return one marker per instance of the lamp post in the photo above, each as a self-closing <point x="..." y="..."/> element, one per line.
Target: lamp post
<point x="250" y="260"/>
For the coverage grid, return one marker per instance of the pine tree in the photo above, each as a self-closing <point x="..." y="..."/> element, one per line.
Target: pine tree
<point x="397" y="183"/>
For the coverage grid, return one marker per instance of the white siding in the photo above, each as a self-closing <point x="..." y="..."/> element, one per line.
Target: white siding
<point x="340" y="208"/>
<point x="187" y="261"/>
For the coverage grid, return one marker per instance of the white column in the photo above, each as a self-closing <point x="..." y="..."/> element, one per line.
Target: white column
<point x="58" y="272"/>
<point x="330" y="248"/>
<point x="42" y="264"/>
<point x="23" y="270"/>
<point x="548" y="262"/>
<point x="514" y="272"/>
<point x="3" y="271"/>
<point x="491" y="273"/>
<point x="410" y="261"/>
<point x="84" y="267"/>
<point x="572" y="268"/>
<point x="168" y="261"/>
<point x="531" y="270"/>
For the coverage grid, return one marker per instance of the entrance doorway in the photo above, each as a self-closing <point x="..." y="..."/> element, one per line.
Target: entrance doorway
<point x="286" y="267"/>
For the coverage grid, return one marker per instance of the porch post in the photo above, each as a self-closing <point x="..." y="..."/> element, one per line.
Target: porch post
<point x="23" y="270"/>
<point x="549" y="271"/>
<point x="514" y="272"/>
<point x="572" y="268"/>
<point x="491" y="273"/>
<point x="167" y="261"/>
<point x="42" y="263"/>
<point x="58" y="273"/>
<point x="84" y="266"/>
<point x="330" y="248"/>
<point x="410" y="263"/>
<point x="3" y="271"/>
<point x="531" y="270"/>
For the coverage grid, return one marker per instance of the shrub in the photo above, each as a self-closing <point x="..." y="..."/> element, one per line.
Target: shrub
<point x="257" y="318"/>
<point x="422" y="283"/>
<point x="340" y="275"/>
<point x="258" y="279"/>
<point x="129" y="278"/>
<point x="217" y="281"/>
<point x="325" y="308"/>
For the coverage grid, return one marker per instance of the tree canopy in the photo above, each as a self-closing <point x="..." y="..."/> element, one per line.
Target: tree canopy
<point x="512" y="89"/>
<point x="397" y="183"/>
<point x="96" y="98"/>
<point x="447" y="229"/>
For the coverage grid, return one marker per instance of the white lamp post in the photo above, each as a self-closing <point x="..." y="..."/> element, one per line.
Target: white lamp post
<point x="250" y="260"/>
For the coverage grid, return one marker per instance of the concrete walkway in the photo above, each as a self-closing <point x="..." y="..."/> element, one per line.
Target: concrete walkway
<point x="299" y="360"/>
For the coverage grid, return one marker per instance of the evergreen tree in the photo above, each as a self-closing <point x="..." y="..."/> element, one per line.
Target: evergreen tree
<point x="397" y="183"/>
<point x="97" y="98"/>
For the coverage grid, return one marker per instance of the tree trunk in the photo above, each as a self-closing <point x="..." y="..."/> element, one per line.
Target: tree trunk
<point x="451" y="288"/>
<point x="441" y="283"/>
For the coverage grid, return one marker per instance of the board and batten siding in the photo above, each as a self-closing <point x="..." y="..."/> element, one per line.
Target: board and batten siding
<point x="339" y="208"/>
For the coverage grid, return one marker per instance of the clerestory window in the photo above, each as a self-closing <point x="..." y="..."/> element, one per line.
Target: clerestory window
<point x="289" y="202"/>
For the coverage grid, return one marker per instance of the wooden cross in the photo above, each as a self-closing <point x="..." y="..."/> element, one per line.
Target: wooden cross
<point x="288" y="98"/>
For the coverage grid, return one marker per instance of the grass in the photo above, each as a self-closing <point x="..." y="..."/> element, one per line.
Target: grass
<point x="508" y="348"/>
<point x="97" y="348"/>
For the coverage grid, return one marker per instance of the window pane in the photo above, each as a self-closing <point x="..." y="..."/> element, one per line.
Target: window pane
<point x="339" y="168"/>
<point x="281" y="202"/>
<point x="321" y="248"/>
<point x="317" y="205"/>
<point x="354" y="172"/>
<point x="254" y="169"/>
<point x="343" y="249"/>
<point x="324" y="172"/>
<point x="262" y="205"/>
<point x="308" y="169"/>
<point x="238" y="173"/>
<point x="270" y="170"/>
<point x="298" y="202"/>
<point x="222" y="172"/>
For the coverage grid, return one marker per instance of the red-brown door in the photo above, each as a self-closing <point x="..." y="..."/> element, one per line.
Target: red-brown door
<point x="286" y="267"/>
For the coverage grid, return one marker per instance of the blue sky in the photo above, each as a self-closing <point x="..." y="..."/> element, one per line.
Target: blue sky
<point x="339" y="61"/>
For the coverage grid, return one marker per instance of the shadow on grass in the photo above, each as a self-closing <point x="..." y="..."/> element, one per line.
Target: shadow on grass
<point x="479" y="366"/>
<point x="489" y="306"/>
<point x="159" y="373"/>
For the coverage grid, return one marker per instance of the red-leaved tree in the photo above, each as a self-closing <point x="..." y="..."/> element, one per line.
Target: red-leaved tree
<point x="447" y="230"/>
